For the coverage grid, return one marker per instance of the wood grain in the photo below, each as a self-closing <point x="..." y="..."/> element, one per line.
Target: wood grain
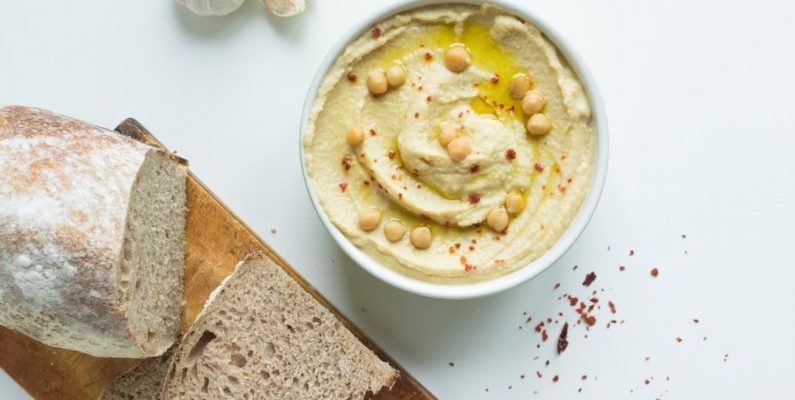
<point x="216" y="239"/>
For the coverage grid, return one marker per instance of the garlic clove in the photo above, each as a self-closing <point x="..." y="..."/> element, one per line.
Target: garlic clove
<point x="212" y="7"/>
<point x="286" y="8"/>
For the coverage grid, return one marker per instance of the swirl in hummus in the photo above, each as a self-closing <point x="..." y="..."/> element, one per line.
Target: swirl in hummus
<point x="420" y="151"/>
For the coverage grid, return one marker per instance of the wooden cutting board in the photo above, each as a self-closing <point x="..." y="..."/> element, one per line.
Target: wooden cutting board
<point x="216" y="239"/>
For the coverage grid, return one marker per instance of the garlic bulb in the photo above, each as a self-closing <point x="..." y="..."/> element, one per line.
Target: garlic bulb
<point x="212" y="7"/>
<point x="286" y="8"/>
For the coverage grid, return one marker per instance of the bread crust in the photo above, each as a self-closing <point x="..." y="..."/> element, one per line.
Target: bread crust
<point x="64" y="192"/>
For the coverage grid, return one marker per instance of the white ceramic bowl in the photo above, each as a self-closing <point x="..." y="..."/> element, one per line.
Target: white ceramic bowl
<point x="475" y="289"/>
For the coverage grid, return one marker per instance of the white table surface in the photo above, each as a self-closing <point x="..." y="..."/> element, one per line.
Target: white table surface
<point x="699" y="98"/>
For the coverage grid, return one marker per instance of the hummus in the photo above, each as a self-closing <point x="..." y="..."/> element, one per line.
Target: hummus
<point x="403" y="171"/>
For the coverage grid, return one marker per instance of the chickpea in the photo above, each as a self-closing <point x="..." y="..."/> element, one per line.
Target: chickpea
<point x="376" y="82"/>
<point x="533" y="102"/>
<point x="520" y="84"/>
<point x="459" y="149"/>
<point x="369" y="219"/>
<point x="421" y="237"/>
<point x="457" y="58"/>
<point x="514" y="203"/>
<point x="395" y="76"/>
<point x="447" y="134"/>
<point x="497" y="219"/>
<point x="538" y="124"/>
<point x="355" y="136"/>
<point x="394" y="230"/>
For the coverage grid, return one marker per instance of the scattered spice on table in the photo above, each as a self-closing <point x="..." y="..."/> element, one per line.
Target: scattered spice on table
<point x="563" y="341"/>
<point x="589" y="278"/>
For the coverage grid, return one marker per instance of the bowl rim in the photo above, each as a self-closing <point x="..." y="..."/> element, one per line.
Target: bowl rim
<point x="466" y="290"/>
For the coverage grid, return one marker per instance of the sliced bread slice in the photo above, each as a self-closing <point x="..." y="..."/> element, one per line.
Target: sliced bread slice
<point x="262" y="336"/>
<point x="143" y="382"/>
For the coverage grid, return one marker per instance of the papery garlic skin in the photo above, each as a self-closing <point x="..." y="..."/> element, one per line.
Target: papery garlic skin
<point x="212" y="7"/>
<point x="286" y="8"/>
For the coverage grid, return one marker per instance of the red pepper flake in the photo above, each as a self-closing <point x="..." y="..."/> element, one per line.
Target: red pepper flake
<point x="612" y="306"/>
<point x="425" y="216"/>
<point x="343" y="186"/>
<point x="510" y="154"/>
<point x="499" y="261"/>
<point x="632" y="253"/>
<point x="539" y="327"/>
<point x="555" y="378"/>
<point x="375" y="32"/>
<point x="373" y="132"/>
<point x="655" y="272"/>
<point x="428" y="56"/>
<point x="346" y="162"/>
<point x="695" y="320"/>
<point x="646" y="381"/>
<point x="474" y="198"/>
<point x="544" y="335"/>
<point x="351" y="77"/>
<point x="573" y="301"/>
<point x="391" y="154"/>
<point x="429" y="99"/>
<point x="416" y="115"/>
<point x="495" y="79"/>
<point x="400" y="196"/>
<point x="539" y="167"/>
<point x="589" y="278"/>
<point x="563" y="341"/>
<point x="622" y="268"/>
<point x="584" y="377"/>
<point x="474" y="168"/>
<point x="589" y="319"/>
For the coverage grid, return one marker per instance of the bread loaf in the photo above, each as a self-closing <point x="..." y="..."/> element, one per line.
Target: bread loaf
<point x="91" y="236"/>
<point x="262" y="336"/>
